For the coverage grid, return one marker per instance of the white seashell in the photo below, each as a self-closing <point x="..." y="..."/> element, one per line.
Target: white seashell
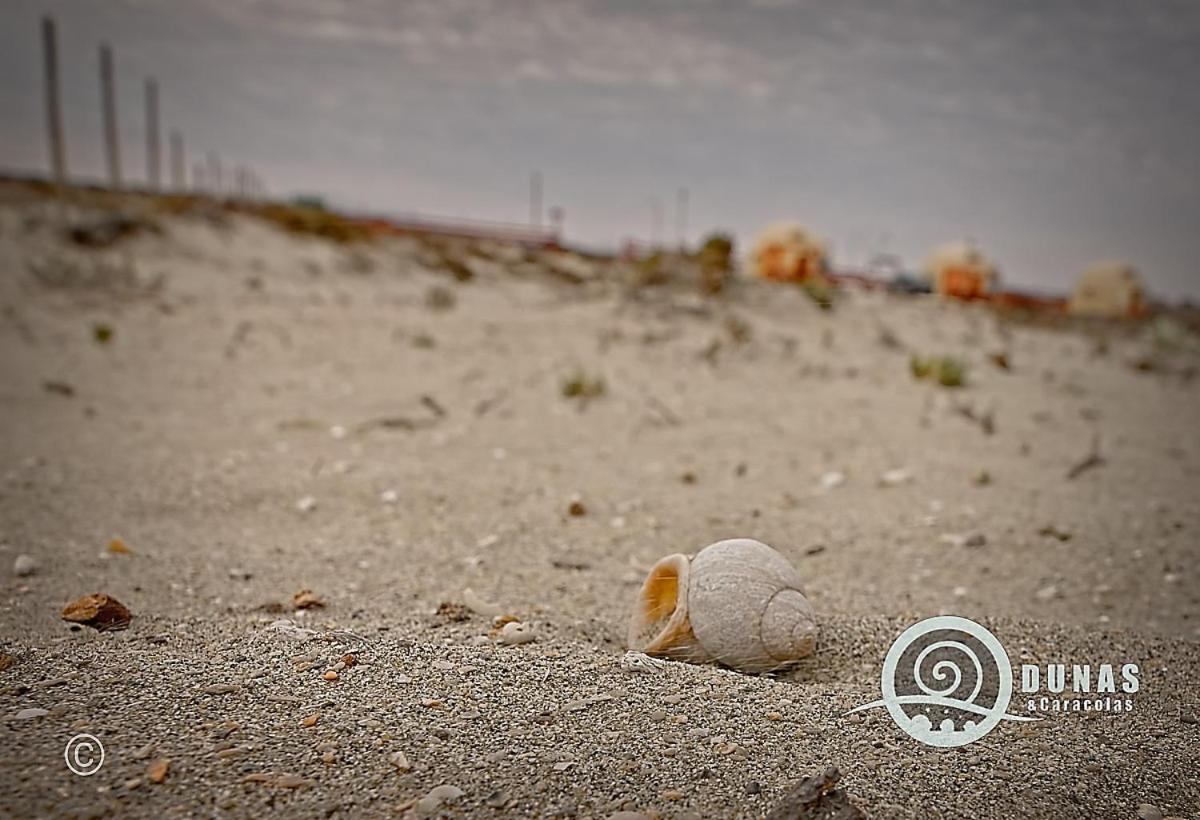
<point x="737" y="602"/>
<point x="515" y="632"/>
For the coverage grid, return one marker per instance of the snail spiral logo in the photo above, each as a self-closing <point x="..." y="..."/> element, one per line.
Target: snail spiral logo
<point x="946" y="682"/>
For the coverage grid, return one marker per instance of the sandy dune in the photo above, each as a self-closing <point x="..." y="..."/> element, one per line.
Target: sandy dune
<point x="276" y="412"/>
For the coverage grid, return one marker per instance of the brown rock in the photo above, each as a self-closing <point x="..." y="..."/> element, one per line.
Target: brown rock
<point x="156" y="772"/>
<point x="99" y="611"/>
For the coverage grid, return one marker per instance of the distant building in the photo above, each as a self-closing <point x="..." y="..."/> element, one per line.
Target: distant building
<point x="958" y="270"/>
<point x="788" y="252"/>
<point x="1108" y="289"/>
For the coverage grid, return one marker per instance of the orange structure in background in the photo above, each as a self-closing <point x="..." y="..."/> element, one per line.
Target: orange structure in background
<point x="787" y="252"/>
<point x="959" y="271"/>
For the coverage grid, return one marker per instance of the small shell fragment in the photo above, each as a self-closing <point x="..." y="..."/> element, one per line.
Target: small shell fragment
<point x="515" y="632"/>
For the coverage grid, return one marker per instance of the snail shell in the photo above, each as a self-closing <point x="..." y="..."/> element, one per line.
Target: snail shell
<point x="737" y="602"/>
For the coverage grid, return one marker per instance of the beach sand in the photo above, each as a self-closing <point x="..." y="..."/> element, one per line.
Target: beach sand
<point x="275" y="412"/>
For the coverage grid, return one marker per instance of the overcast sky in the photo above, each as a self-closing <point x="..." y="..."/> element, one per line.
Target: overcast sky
<point x="1052" y="133"/>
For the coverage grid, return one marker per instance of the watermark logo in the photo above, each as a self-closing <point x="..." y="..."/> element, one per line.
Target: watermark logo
<point x="84" y="755"/>
<point x="946" y="682"/>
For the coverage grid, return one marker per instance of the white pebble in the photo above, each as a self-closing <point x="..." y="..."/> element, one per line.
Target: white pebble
<point x="896" y="477"/>
<point x="25" y="565"/>
<point x="833" y="479"/>
<point x="306" y="504"/>
<point x="389" y="496"/>
<point x="28" y="714"/>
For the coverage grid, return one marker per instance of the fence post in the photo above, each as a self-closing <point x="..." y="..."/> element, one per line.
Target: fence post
<point x="108" y="99"/>
<point x="152" y="156"/>
<point x="58" y="159"/>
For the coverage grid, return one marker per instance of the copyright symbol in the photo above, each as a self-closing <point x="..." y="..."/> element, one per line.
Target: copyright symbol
<point x="84" y="755"/>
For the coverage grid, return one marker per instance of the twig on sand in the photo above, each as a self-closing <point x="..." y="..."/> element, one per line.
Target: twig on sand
<point x="1093" y="459"/>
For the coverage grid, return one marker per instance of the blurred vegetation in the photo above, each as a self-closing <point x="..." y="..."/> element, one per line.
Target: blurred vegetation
<point x="716" y="262"/>
<point x="945" y="370"/>
<point x="314" y="220"/>
<point x="821" y="292"/>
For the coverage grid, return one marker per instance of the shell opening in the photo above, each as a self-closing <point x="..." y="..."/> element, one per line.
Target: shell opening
<point x="660" y="614"/>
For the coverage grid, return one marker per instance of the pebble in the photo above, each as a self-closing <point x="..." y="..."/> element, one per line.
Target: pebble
<point x="306" y="504"/>
<point x="25" y="565"/>
<point x="400" y="761"/>
<point x="156" y="772"/>
<point x="330" y="675"/>
<point x="1046" y="593"/>
<point x="1147" y="811"/>
<point x="833" y="479"/>
<point x="220" y="689"/>
<point x="389" y="496"/>
<point x="438" y="795"/>
<point x="29" y="714"/>
<point x="896" y="477"/>
<point x="753" y="787"/>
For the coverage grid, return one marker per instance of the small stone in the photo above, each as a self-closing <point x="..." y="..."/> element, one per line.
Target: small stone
<point x="330" y="675"/>
<point x="977" y="539"/>
<point x="672" y="794"/>
<point x="896" y="477"/>
<point x="25" y="565"/>
<point x="1147" y="811"/>
<point x="133" y="784"/>
<point x="156" y="772"/>
<point x="389" y="496"/>
<point x="1047" y="593"/>
<point x="220" y="689"/>
<point x="753" y="787"/>
<point x="310" y="721"/>
<point x="306" y="599"/>
<point x="306" y="504"/>
<point x="775" y="716"/>
<point x="515" y="632"/>
<point x="29" y="714"/>
<point x="832" y="479"/>
<point x="99" y="611"/>
<point x="432" y="801"/>
<point x="292" y="781"/>
<point x="400" y="761"/>
<point x="576" y="508"/>
<point x="118" y="547"/>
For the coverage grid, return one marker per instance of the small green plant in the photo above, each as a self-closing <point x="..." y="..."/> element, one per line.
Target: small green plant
<point x="582" y="387"/>
<point x="945" y="370"/>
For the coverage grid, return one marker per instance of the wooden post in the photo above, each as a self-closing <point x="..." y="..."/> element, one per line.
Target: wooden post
<point x="178" y="162"/>
<point x="58" y="159"/>
<point x="152" y="156"/>
<point x="108" y="98"/>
